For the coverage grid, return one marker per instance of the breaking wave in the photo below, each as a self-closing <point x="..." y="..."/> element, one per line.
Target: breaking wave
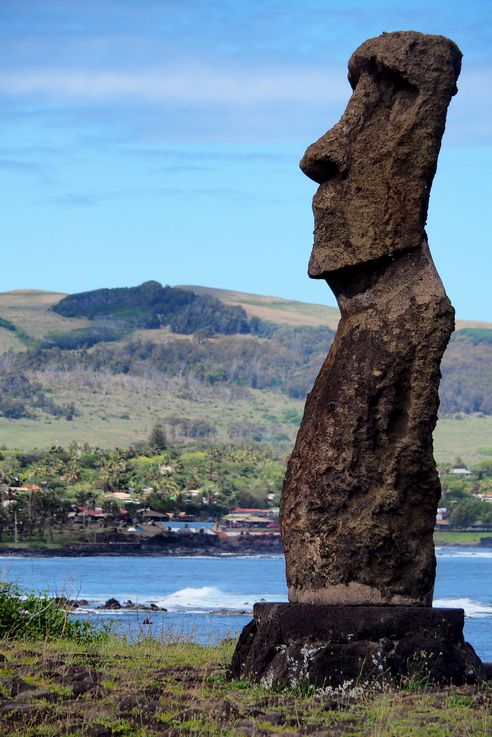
<point x="473" y="609"/>
<point x="206" y="598"/>
<point x="457" y="553"/>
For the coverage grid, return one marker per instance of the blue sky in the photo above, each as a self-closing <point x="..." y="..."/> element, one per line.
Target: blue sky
<point x="153" y="139"/>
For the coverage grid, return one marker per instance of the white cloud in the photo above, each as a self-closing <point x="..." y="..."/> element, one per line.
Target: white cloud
<point x="190" y="86"/>
<point x="231" y="103"/>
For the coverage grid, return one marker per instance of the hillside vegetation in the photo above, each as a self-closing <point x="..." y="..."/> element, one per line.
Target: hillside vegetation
<point x="104" y="366"/>
<point x="292" y="312"/>
<point x="275" y="309"/>
<point x="46" y="485"/>
<point x="151" y="305"/>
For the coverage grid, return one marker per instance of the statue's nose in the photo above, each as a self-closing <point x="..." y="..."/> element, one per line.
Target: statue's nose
<point x="321" y="163"/>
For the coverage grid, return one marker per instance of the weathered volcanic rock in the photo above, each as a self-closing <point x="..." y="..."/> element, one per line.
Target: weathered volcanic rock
<point x="287" y="644"/>
<point x="376" y="165"/>
<point x="361" y="490"/>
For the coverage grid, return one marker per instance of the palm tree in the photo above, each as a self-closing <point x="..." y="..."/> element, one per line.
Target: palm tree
<point x="86" y="498"/>
<point x="114" y="471"/>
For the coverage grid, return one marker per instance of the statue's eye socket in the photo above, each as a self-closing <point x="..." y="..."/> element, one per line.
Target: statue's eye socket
<point x="391" y="82"/>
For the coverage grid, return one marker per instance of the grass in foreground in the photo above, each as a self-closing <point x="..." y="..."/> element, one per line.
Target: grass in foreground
<point x="156" y="688"/>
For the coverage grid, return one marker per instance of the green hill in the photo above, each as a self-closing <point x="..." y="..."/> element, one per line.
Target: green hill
<point x="210" y="365"/>
<point x="291" y="312"/>
<point x="150" y="305"/>
<point x="275" y="309"/>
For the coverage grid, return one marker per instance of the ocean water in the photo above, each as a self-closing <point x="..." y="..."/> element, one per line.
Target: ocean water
<point x="210" y="598"/>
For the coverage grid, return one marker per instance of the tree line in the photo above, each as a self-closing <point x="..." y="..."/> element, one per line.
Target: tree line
<point x="151" y="305"/>
<point x="39" y="488"/>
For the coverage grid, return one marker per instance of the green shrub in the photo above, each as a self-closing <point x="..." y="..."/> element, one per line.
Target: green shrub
<point x="7" y="325"/>
<point x="483" y="467"/>
<point x="27" y="614"/>
<point x="83" y="337"/>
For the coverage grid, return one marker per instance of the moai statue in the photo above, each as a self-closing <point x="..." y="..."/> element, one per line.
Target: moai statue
<point x="361" y="490"/>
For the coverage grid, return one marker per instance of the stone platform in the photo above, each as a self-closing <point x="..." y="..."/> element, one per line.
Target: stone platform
<point x="324" y="645"/>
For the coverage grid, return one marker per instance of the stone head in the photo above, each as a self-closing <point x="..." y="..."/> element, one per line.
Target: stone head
<point x="376" y="165"/>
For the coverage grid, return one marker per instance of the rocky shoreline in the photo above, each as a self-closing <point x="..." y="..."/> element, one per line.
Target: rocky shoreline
<point x="113" y="604"/>
<point x="188" y="547"/>
<point x="196" y="545"/>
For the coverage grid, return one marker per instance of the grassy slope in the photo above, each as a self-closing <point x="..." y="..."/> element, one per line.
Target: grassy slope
<point x="462" y="437"/>
<point x="275" y="309"/>
<point x="121" y="410"/>
<point x="111" y="416"/>
<point x="292" y="312"/>
<point x="158" y="688"/>
<point x="29" y="309"/>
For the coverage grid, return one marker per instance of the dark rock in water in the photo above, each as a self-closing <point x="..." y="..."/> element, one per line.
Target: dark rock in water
<point x="129" y="604"/>
<point x="347" y="646"/>
<point x="361" y="491"/>
<point x="229" y="612"/>
<point x="66" y="603"/>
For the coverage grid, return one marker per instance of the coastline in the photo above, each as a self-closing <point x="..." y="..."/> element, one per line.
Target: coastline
<point x="189" y="547"/>
<point x="144" y="549"/>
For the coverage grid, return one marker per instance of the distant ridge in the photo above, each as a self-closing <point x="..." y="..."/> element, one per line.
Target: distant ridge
<point x="105" y="378"/>
<point x="275" y="309"/>
<point x="29" y="304"/>
<point x="292" y="312"/>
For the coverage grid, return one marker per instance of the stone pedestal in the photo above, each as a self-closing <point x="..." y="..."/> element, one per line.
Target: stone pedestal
<point x="324" y="645"/>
